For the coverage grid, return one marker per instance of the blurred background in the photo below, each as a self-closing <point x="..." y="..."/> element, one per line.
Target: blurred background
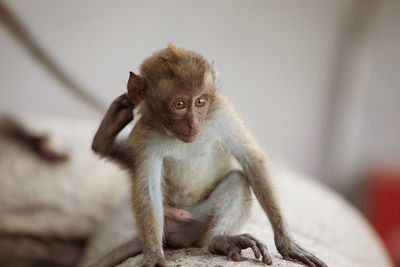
<point x="318" y="82"/>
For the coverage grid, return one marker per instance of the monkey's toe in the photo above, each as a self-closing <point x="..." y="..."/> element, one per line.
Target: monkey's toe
<point x="294" y="252"/>
<point x="231" y="246"/>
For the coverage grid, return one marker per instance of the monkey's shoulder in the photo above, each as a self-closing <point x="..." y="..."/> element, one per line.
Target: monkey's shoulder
<point x="144" y="134"/>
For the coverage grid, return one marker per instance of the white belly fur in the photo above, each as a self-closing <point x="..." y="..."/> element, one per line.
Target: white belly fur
<point x="191" y="170"/>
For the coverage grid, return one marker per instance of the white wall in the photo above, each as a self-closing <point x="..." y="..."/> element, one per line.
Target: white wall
<point x="364" y="132"/>
<point x="381" y="134"/>
<point x="275" y="58"/>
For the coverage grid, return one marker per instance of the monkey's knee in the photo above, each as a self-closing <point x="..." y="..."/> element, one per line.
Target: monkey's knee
<point x="236" y="182"/>
<point x="241" y="190"/>
<point x="234" y="205"/>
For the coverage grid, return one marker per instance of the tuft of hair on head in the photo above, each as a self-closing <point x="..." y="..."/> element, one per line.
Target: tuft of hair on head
<point x="185" y="68"/>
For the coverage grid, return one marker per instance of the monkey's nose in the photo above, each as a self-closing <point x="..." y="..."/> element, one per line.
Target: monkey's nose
<point x="190" y="129"/>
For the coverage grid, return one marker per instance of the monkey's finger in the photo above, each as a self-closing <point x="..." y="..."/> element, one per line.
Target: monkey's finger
<point x="303" y="259"/>
<point x="313" y="258"/>
<point x="317" y="261"/>
<point x="123" y="118"/>
<point x="266" y="255"/>
<point x="116" y="104"/>
<point x="234" y="254"/>
<point x="253" y="246"/>
<point x="127" y="102"/>
<point x="285" y="256"/>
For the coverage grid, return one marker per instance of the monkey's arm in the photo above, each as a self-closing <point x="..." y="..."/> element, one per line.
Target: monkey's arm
<point x="118" y="115"/>
<point x="254" y="162"/>
<point x="147" y="195"/>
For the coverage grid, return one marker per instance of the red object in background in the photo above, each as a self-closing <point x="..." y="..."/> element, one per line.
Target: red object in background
<point x="383" y="208"/>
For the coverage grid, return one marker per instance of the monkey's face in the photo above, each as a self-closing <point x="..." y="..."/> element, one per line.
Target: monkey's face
<point x="184" y="112"/>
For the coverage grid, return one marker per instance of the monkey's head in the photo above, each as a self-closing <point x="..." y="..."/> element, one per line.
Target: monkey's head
<point x="179" y="86"/>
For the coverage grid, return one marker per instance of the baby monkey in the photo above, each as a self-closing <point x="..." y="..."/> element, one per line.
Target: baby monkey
<point x="192" y="161"/>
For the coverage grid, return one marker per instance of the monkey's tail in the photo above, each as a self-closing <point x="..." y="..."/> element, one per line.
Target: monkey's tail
<point x="118" y="254"/>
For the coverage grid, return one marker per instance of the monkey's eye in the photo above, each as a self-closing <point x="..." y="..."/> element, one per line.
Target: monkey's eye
<point x="179" y="104"/>
<point x="200" y="102"/>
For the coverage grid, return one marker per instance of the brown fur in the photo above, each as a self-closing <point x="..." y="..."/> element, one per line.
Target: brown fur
<point x="196" y="175"/>
<point x="184" y="68"/>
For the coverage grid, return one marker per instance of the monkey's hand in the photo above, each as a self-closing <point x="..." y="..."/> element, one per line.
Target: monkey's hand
<point x="118" y="115"/>
<point x="291" y="251"/>
<point x="232" y="246"/>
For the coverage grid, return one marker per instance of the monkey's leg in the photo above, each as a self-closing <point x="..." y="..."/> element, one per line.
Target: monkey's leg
<point x="230" y="205"/>
<point x="118" y="115"/>
<point x="118" y="254"/>
<point x="210" y="216"/>
<point x="134" y="247"/>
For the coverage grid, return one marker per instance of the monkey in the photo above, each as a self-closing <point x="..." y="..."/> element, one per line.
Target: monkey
<point x="193" y="165"/>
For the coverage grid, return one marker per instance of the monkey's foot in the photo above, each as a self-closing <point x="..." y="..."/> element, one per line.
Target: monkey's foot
<point x="291" y="251"/>
<point x="232" y="246"/>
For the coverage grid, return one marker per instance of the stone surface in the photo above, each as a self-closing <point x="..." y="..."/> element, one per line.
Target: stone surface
<point x="64" y="201"/>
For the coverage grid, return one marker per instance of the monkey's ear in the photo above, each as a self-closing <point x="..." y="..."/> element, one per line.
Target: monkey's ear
<point x="136" y="88"/>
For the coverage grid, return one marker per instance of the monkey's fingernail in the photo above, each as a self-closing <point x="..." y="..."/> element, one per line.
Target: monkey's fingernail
<point x="267" y="261"/>
<point x="237" y="258"/>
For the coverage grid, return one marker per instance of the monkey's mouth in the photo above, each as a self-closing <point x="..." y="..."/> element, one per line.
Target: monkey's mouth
<point x="187" y="138"/>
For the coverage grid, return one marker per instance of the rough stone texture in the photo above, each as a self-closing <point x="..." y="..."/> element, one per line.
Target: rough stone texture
<point x="68" y="202"/>
<point x="63" y="201"/>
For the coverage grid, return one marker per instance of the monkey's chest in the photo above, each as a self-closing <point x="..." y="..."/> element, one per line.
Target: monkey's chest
<point x="191" y="171"/>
